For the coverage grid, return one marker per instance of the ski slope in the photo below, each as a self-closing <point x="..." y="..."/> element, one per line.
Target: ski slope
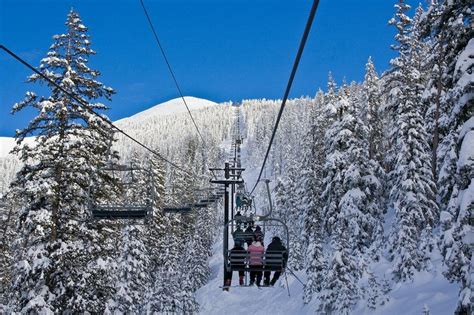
<point x="247" y="300"/>
<point x="429" y="290"/>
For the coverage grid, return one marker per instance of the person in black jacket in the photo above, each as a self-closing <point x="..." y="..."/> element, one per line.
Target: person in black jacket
<point x="237" y="262"/>
<point x="239" y="236"/>
<point x="239" y="219"/>
<point x="274" y="250"/>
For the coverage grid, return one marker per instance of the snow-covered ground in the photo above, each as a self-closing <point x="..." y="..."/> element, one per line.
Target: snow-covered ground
<point x="428" y="289"/>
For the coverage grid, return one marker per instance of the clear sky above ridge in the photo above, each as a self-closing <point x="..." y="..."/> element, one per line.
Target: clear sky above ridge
<point x="220" y="49"/>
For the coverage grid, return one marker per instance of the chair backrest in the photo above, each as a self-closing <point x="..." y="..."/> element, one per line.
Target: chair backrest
<point x="239" y="260"/>
<point x="274" y="258"/>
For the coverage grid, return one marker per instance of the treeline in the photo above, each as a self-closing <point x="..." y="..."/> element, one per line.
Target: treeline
<point x="380" y="170"/>
<point x="54" y="257"/>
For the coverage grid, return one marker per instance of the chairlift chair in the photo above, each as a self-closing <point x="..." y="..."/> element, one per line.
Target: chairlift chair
<point x="134" y="201"/>
<point x="202" y="198"/>
<point x="184" y="209"/>
<point x="273" y="261"/>
<point x="181" y="206"/>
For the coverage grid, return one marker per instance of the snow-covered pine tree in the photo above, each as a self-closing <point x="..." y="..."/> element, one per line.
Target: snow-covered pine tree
<point x="54" y="246"/>
<point x="372" y="109"/>
<point x="136" y="183"/>
<point x="7" y="236"/>
<point x="170" y="243"/>
<point x="171" y="293"/>
<point x="340" y="291"/>
<point x="159" y="223"/>
<point x="133" y="272"/>
<point x="287" y="208"/>
<point x="351" y="197"/>
<point x="196" y="269"/>
<point x="312" y="178"/>
<point x="133" y="265"/>
<point x="453" y="29"/>
<point x="412" y="194"/>
<point x="434" y="66"/>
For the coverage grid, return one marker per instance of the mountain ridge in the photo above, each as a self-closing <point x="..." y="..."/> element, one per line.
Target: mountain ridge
<point x="172" y="106"/>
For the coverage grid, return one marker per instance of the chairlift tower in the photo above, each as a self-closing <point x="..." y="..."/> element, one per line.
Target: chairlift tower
<point x="229" y="179"/>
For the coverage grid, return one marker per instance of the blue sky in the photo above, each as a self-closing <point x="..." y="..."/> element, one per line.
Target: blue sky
<point x="219" y="49"/>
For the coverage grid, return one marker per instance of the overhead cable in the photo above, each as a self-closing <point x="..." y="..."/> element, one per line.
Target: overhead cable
<point x="288" y="86"/>
<point x="169" y="68"/>
<point x="85" y="105"/>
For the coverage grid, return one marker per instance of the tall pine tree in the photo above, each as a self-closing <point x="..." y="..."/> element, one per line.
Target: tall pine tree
<point x="412" y="194"/>
<point x="71" y="145"/>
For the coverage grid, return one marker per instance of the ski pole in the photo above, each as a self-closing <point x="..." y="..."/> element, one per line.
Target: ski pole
<point x="287" y="286"/>
<point x="295" y="276"/>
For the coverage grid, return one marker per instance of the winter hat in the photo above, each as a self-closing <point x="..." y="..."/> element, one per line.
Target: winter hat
<point x="276" y="239"/>
<point x="258" y="228"/>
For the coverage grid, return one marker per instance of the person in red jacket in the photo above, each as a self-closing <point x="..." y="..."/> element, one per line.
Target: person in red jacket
<point x="256" y="251"/>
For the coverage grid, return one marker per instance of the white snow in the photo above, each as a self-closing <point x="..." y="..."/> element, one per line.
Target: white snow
<point x="173" y="106"/>
<point x="466" y="127"/>
<point x="8" y="143"/>
<point x="466" y="154"/>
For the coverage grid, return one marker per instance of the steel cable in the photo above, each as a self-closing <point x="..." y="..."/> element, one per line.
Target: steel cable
<point x="288" y="86"/>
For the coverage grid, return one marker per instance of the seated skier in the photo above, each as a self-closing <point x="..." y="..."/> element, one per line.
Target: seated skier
<point x="239" y="219"/>
<point x="275" y="247"/>
<point x="237" y="261"/>
<point x="256" y="251"/>
<point x="239" y="235"/>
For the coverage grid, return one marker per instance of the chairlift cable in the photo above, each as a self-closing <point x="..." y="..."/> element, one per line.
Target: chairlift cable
<point x="169" y="68"/>
<point x="288" y="87"/>
<point x="85" y="105"/>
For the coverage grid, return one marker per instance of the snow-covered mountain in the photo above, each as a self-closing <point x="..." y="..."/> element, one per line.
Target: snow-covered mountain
<point x="170" y="120"/>
<point x="173" y="106"/>
<point x="8" y="143"/>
